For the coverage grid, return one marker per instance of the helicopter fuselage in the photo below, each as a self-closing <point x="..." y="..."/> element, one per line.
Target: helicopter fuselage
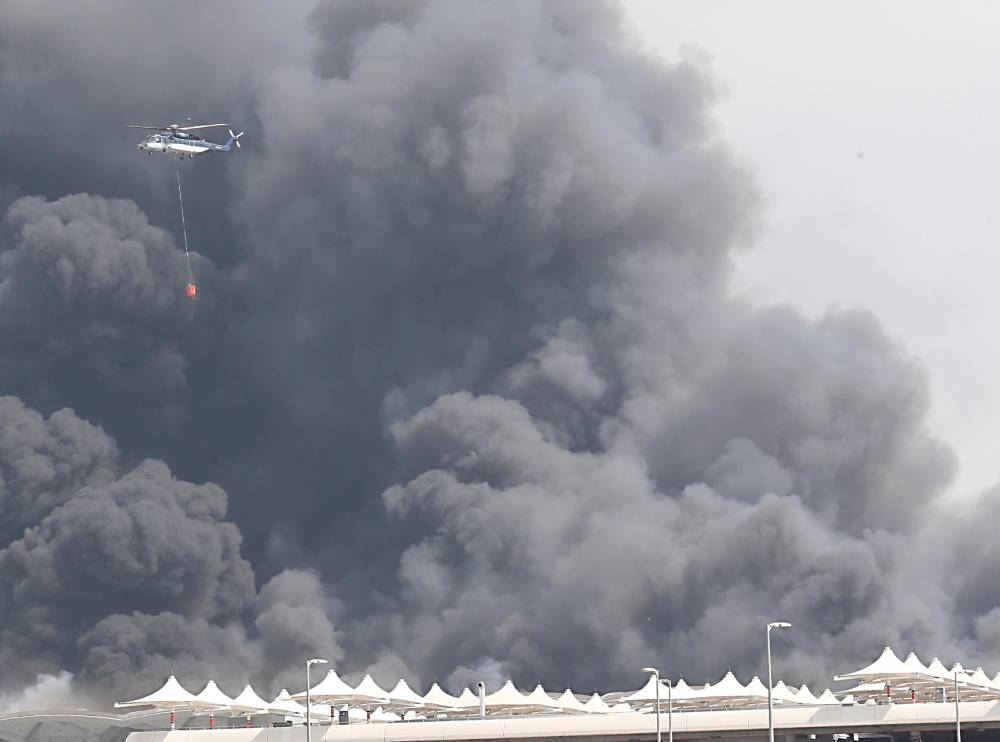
<point x="181" y="145"/>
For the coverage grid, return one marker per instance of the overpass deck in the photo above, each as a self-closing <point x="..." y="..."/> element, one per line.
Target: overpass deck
<point x="822" y="721"/>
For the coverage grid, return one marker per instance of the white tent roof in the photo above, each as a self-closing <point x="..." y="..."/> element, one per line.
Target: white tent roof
<point x="329" y="688"/>
<point x="369" y="692"/>
<point x="402" y="696"/>
<point x="468" y="700"/>
<point x="728" y="689"/>
<point x="212" y="698"/>
<point x="596" y="705"/>
<point x="620" y="708"/>
<point x="963" y="676"/>
<point x="171" y="694"/>
<point x="508" y="697"/>
<point x="283" y="704"/>
<point x="828" y="699"/>
<point x="569" y="702"/>
<point x="782" y="693"/>
<point x="867" y="689"/>
<point x="646" y="695"/>
<point x="937" y="670"/>
<point x="728" y="685"/>
<point x="887" y="667"/>
<point x="756" y="688"/>
<point x="437" y="698"/>
<point x="539" y="700"/>
<point x="980" y="679"/>
<point x="914" y="665"/>
<point x="806" y="696"/>
<point x="682" y="691"/>
<point x="248" y="702"/>
<point x="996" y="681"/>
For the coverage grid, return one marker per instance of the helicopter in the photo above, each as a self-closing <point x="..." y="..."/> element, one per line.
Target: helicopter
<point x="175" y="139"/>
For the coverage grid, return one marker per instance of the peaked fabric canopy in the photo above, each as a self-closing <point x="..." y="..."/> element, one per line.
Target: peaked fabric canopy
<point x="402" y="696"/>
<point x="569" y="702"/>
<point x="886" y="668"/>
<point x="980" y="679"/>
<point x="937" y="670"/>
<point x="369" y="693"/>
<point x="783" y="694"/>
<point x="468" y="700"/>
<point x="331" y="688"/>
<point x="212" y="698"/>
<point x="915" y="666"/>
<point x="683" y="692"/>
<point x="596" y="705"/>
<point x="867" y="689"/>
<point x="981" y="687"/>
<point x="827" y="698"/>
<point x="507" y="698"/>
<point x="756" y="689"/>
<point x="805" y="696"/>
<point x="248" y="702"/>
<point x="170" y="695"/>
<point x="646" y="695"/>
<point x="439" y="699"/>
<point x="728" y="691"/>
<point x="539" y="700"/>
<point x="283" y="704"/>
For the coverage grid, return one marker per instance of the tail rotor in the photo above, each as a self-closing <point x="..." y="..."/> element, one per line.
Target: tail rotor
<point x="235" y="138"/>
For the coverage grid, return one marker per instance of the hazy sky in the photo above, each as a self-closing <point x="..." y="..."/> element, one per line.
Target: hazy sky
<point x="872" y="128"/>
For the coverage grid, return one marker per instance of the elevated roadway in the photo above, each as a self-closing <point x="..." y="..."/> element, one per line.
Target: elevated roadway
<point x="928" y="722"/>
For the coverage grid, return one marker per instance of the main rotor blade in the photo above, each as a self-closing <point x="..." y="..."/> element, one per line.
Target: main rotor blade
<point x="200" y="126"/>
<point x="140" y="126"/>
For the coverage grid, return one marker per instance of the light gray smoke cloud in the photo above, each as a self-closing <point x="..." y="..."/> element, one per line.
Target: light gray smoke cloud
<point x="466" y="362"/>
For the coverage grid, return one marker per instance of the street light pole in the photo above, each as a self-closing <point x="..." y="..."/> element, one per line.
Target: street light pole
<point x="310" y="663"/>
<point x="958" y="722"/>
<point x="670" y="710"/>
<point x="770" y="682"/>
<point x="656" y="675"/>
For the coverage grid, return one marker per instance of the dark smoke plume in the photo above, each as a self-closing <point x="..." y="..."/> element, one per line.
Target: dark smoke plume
<point x="465" y="382"/>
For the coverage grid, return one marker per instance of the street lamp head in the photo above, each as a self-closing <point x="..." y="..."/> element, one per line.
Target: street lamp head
<point x="779" y="625"/>
<point x="652" y="670"/>
<point x="316" y="661"/>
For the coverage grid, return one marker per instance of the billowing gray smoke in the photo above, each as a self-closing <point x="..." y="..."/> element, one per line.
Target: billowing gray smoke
<point x="464" y="371"/>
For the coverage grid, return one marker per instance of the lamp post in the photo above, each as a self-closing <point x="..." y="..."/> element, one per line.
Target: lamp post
<point x="656" y="677"/>
<point x="310" y="663"/>
<point x="670" y="705"/>
<point x="958" y="722"/>
<point x="770" y="682"/>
